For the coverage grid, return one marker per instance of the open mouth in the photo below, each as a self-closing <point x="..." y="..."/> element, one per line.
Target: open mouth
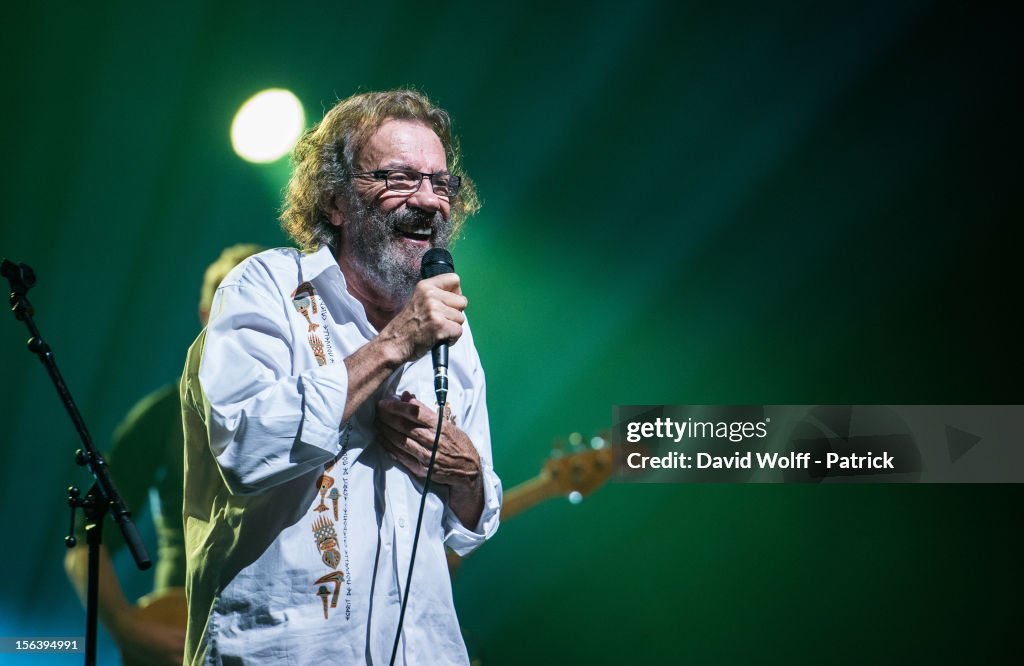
<point x="415" y="234"/>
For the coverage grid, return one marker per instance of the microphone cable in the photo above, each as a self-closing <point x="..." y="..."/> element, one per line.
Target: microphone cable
<point x="416" y="534"/>
<point x="436" y="261"/>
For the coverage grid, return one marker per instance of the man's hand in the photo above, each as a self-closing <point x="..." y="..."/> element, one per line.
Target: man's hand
<point x="406" y="428"/>
<point x="433" y="314"/>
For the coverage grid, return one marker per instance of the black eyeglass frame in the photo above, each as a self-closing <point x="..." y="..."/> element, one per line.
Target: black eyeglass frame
<point x="454" y="182"/>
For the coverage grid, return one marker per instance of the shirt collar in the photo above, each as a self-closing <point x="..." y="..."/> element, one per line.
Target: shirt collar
<point x="315" y="263"/>
<point x="323" y="263"/>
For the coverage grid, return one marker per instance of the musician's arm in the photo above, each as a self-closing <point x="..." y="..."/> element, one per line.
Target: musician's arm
<point x="146" y="642"/>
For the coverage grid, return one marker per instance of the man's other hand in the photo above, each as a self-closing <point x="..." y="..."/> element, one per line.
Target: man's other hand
<point x="406" y="429"/>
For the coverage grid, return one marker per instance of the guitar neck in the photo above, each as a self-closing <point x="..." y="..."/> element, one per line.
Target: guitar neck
<point x="525" y="495"/>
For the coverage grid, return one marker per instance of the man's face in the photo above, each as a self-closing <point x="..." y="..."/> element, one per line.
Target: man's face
<point x="385" y="232"/>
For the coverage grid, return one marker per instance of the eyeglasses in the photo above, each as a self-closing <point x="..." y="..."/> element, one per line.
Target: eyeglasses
<point x="407" y="181"/>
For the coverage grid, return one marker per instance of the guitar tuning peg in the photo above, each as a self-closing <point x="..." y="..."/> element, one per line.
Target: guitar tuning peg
<point x="597" y="443"/>
<point x="575" y="440"/>
<point x="575" y="497"/>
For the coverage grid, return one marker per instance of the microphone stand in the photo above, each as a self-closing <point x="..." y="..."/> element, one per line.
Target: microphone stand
<point x="103" y="496"/>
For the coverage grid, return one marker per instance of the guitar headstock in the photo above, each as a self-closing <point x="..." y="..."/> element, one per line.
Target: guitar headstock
<point x="581" y="467"/>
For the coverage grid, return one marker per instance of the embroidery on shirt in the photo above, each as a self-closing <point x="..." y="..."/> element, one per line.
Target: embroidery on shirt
<point x="318" y="348"/>
<point x="326" y="536"/>
<point x="449" y="415"/>
<point x="327" y="541"/>
<point x="325" y="482"/>
<point x="344" y="523"/>
<point x="304" y="300"/>
<point x="328" y="346"/>
<point x="334" y="501"/>
<point x="334" y="577"/>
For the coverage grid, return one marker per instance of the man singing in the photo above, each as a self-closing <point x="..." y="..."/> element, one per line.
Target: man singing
<point x="309" y="410"/>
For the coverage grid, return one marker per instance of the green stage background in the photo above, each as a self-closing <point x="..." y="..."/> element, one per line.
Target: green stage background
<point x="689" y="203"/>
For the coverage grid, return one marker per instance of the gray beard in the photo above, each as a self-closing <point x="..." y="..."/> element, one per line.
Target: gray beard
<point x="380" y="254"/>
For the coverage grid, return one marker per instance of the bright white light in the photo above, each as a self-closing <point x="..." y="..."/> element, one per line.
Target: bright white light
<point x="575" y="497"/>
<point x="267" y="126"/>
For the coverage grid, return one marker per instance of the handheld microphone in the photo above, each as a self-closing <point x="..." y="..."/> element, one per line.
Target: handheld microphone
<point x="438" y="261"/>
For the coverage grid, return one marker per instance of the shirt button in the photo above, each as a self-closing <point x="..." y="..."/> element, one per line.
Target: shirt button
<point x="401" y="522"/>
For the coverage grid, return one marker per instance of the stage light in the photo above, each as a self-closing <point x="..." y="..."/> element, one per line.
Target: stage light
<point x="267" y="126"/>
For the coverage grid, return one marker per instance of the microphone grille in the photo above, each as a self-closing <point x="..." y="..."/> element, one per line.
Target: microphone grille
<point x="436" y="261"/>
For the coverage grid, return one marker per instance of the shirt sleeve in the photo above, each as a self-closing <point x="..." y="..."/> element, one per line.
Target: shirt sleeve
<point x="265" y="425"/>
<point x="461" y="538"/>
